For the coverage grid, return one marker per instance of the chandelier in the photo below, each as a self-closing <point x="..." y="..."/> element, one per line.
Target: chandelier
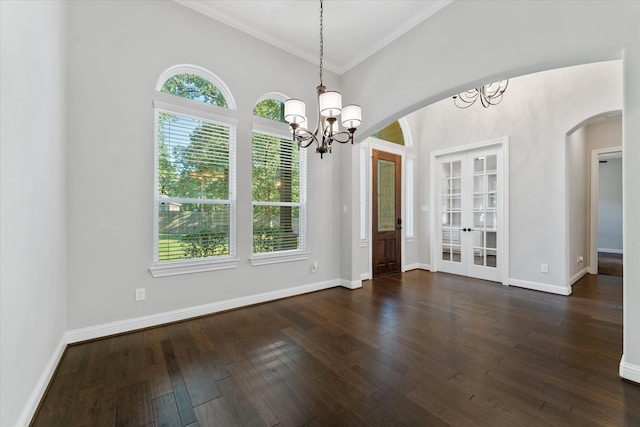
<point x="490" y="94"/>
<point x="329" y="109"/>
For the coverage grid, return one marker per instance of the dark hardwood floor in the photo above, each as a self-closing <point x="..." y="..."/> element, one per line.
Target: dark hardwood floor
<point x="412" y="349"/>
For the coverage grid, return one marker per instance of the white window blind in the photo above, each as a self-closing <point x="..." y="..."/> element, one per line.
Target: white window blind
<point x="194" y="188"/>
<point x="279" y="194"/>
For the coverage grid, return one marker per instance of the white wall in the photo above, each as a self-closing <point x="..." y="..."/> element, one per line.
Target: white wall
<point x="437" y="59"/>
<point x="33" y="201"/>
<point x="579" y="164"/>
<point x="117" y="52"/>
<point x="610" y="206"/>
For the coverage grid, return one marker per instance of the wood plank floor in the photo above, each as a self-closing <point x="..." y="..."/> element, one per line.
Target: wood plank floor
<point x="414" y="349"/>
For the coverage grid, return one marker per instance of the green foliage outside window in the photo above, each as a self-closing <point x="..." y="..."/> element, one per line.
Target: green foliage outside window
<point x="192" y="86"/>
<point x="271" y="109"/>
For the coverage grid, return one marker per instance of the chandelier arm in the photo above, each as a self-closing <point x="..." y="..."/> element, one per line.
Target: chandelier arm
<point x="342" y="137"/>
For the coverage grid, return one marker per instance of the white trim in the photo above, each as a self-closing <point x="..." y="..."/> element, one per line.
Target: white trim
<point x="272" y="128"/>
<point x="410" y="239"/>
<point x="356" y="284"/>
<point x="196" y="266"/>
<point x="272" y="95"/>
<point x="365" y="276"/>
<point x="423" y="266"/>
<point x="414" y="266"/>
<point x="174" y="104"/>
<point x="277" y="257"/>
<point x="628" y="371"/>
<point x="595" y="190"/>
<point x="579" y="275"/>
<point x="406" y="132"/>
<point x="544" y="287"/>
<point x="40" y="388"/>
<point x="128" y="325"/>
<point x="199" y="71"/>
<point x="611" y="251"/>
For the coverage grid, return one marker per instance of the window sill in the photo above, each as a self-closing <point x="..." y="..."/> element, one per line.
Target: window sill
<point x="274" y="258"/>
<point x="186" y="267"/>
<point x="410" y="239"/>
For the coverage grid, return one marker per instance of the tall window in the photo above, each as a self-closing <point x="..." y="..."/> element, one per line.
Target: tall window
<point x="195" y="176"/>
<point x="279" y="194"/>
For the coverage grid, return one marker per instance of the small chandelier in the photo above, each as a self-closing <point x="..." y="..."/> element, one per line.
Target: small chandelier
<point x="490" y="94"/>
<point x="329" y="109"/>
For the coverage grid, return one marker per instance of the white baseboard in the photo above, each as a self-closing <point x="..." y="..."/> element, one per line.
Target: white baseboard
<point x="544" y="287"/>
<point x="579" y="275"/>
<point x="37" y="394"/>
<point x="351" y="285"/>
<point x="122" y="326"/>
<point x="365" y="276"/>
<point x="611" y="251"/>
<point x="410" y="267"/>
<point x="628" y="371"/>
<point x="424" y="266"/>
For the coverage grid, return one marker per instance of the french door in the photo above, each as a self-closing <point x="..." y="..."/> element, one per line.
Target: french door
<point x="470" y="213"/>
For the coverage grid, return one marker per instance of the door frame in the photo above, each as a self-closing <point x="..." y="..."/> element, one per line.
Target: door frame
<point x="387" y="147"/>
<point x="595" y="190"/>
<point x="502" y="143"/>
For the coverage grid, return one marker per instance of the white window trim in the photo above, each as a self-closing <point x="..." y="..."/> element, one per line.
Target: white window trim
<point x="291" y="255"/>
<point x="172" y="104"/>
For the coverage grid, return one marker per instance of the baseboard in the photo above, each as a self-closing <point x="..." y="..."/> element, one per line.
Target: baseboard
<point x="37" y="394"/>
<point x="365" y="276"/>
<point x="544" y="287"/>
<point x="628" y="371"/>
<point x="579" y="275"/>
<point x="424" y="266"/>
<point x="611" y="251"/>
<point x="410" y="267"/>
<point x="112" y="328"/>
<point x="355" y="284"/>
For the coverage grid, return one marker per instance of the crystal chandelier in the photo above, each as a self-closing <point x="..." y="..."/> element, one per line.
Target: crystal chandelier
<point x="329" y="109"/>
<point x="490" y="94"/>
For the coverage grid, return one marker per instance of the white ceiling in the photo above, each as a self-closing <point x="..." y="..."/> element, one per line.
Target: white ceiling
<point x="353" y="29"/>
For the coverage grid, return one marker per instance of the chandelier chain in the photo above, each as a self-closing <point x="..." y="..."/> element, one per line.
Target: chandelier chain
<point x="321" y="43"/>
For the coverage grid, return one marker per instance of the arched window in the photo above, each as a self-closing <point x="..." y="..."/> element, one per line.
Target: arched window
<point x="195" y="174"/>
<point x="271" y="106"/>
<point x="192" y="86"/>
<point x="391" y="133"/>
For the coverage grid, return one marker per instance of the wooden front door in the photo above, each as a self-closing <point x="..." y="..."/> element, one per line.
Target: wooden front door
<point x="387" y="223"/>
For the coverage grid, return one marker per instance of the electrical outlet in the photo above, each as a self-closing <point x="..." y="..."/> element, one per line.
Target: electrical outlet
<point x="580" y="260"/>
<point x="544" y="268"/>
<point x="314" y="266"/>
<point x="140" y="294"/>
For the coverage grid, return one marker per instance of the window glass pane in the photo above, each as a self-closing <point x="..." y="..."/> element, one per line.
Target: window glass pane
<point x="275" y="228"/>
<point x="192" y="230"/>
<point x="409" y="191"/>
<point x="193" y="158"/>
<point x="271" y="109"/>
<point x="276" y="169"/>
<point x="278" y="194"/>
<point x="192" y="86"/>
<point x="386" y="195"/>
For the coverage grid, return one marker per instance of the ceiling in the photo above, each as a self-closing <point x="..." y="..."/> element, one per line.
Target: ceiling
<point x="353" y="29"/>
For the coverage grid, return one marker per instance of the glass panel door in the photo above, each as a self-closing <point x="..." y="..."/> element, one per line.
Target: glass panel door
<point x="469" y="210"/>
<point x="451" y="210"/>
<point x="485" y="198"/>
